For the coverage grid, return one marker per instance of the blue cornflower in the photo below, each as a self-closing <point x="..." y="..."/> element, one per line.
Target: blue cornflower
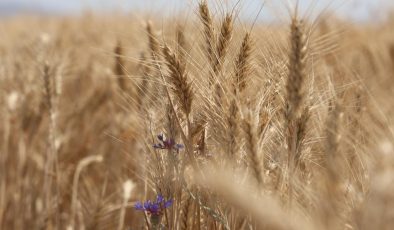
<point x="167" y="143"/>
<point x="154" y="208"/>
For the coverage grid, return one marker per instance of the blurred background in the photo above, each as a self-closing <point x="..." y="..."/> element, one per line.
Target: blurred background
<point x="356" y="10"/>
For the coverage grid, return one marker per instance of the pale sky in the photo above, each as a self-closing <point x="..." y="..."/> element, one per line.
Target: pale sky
<point x="355" y="9"/>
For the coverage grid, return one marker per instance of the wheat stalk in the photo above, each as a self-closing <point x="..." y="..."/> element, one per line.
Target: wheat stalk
<point x="295" y="122"/>
<point x="51" y="165"/>
<point x="186" y="213"/>
<point x="74" y="201"/>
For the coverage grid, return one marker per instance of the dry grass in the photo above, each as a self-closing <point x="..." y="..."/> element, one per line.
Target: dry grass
<point x="279" y="127"/>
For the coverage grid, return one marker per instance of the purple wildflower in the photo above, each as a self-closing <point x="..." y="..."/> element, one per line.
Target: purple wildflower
<point x="154" y="208"/>
<point x="167" y="143"/>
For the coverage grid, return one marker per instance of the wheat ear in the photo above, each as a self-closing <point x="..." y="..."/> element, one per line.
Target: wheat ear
<point x="251" y="149"/>
<point x="179" y="79"/>
<point x="242" y="64"/>
<point x="206" y="19"/>
<point x="295" y="90"/>
<point x="223" y="43"/>
<point x="154" y="45"/>
<point x="119" y="66"/>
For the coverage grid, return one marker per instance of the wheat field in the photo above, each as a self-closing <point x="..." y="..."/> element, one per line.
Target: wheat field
<point x="119" y="122"/>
